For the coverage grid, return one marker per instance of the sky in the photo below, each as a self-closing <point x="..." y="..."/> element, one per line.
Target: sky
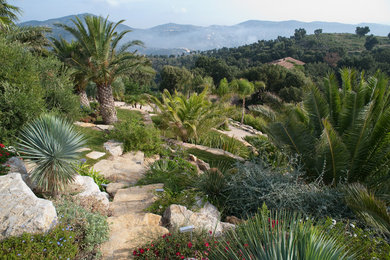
<point x="149" y="13"/>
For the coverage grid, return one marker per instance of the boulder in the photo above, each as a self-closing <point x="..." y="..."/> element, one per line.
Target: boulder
<point x="89" y="194"/>
<point x="201" y="165"/>
<point x="20" y="210"/>
<point x="210" y="210"/>
<point x="114" y="147"/>
<point x="17" y="165"/>
<point x="177" y="216"/>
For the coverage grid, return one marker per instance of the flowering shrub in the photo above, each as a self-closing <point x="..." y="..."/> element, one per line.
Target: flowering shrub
<point x="58" y="243"/>
<point x="5" y="154"/>
<point x="178" y="246"/>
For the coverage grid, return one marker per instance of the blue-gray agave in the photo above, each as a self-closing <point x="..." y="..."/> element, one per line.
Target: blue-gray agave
<point x="52" y="143"/>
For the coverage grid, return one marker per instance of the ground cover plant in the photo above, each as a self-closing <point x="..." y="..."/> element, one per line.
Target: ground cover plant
<point x="5" y="154"/>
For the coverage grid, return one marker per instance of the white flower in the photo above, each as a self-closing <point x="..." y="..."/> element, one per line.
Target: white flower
<point x="352" y="225"/>
<point x="334" y="222"/>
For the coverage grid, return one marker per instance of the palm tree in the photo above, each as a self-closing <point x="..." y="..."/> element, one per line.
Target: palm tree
<point x="99" y="41"/>
<point x="189" y="117"/>
<point x="340" y="133"/>
<point x="243" y="88"/>
<point x="53" y="144"/>
<point x="8" y="14"/>
<point x="71" y="54"/>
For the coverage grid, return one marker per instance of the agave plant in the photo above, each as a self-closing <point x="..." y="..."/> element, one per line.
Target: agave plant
<point x="52" y="143"/>
<point x="340" y="132"/>
<point x="279" y="236"/>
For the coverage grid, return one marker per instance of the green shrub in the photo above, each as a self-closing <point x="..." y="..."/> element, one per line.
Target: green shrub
<point x="185" y="198"/>
<point x="91" y="229"/>
<point x="268" y="152"/>
<point x="60" y="242"/>
<point x="21" y="95"/>
<point x="213" y="184"/>
<point x="217" y="140"/>
<point x="177" y="246"/>
<point x="53" y="144"/>
<point x="136" y="136"/>
<point x="366" y="243"/>
<point x="86" y="170"/>
<point x="257" y="183"/>
<point x="256" y="122"/>
<point x="177" y="174"/>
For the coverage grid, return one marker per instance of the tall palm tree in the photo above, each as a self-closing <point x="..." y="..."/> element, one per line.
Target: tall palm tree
<point x="341" y="132"/>
<point x="71" y="54"/>
<point x="243" y="88"/>
<point x="8" y="14"/>
<point x="99" y="42"/>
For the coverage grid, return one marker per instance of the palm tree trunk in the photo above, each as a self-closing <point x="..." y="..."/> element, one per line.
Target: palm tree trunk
<point x="243" y="110"/>
<point x="84" y="99"/>
<point x="107" y="106"/>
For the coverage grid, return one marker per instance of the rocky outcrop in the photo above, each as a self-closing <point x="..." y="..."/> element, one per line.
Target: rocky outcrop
<point x="177" y="216"/>
<point x="17" y="165"/>
<point x="201" y="165"/>
<point x="20" y="210"/>
<point x="88" y="194"/>
<point x="128" y="168"/>
<point x="114" y="147"/>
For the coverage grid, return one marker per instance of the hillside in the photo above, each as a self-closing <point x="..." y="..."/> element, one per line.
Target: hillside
<point x="177" y="38"/>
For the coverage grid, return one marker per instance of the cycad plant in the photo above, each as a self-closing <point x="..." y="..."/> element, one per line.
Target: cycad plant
<point x="191" y="117"/>
<point x="279" y="236"/>
<point x="368" y="207"/>
<point x="340" y="132"/>
<point x="53" y="144"/>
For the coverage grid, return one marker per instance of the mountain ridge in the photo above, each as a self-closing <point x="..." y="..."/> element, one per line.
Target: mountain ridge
<point x="182" y="38"/>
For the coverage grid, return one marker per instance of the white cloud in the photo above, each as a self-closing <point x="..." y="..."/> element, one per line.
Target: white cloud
<point x="118" y="2"/>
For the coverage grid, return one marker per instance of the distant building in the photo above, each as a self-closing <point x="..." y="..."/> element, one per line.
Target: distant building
<point x="287" y="62"/>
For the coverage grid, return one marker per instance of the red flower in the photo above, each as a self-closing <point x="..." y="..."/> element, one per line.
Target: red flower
<point x="164" y="236"/>
<point x="1" y="154"/>
<point x="189" y="244"/>
<point x="6" y="153"/>
<point x="246" y="245"/>
<point x="178" y="253"/>
<point x="207" y="244"/>
<point x="2" y="145"/>
<point x="169" y="234"/>
<point x="182" y="257"/>
<point x="211" y="232"/>
<point x="135" y="252"/>
<point x="141" y="250"/>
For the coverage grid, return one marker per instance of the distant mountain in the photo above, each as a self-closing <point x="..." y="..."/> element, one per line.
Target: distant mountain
<point x="175" y="39"/>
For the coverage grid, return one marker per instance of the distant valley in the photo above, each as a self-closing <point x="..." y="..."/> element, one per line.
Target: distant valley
<point x="176" y="39"/>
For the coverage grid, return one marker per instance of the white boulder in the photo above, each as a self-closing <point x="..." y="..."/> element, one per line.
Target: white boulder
<point x="20" y="210"/>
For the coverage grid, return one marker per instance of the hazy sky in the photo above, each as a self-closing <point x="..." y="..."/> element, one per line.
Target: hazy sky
<point x="148" y="13"/>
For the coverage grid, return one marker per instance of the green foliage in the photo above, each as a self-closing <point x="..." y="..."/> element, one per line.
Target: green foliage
<point x="216" y="68"/>
<point x="8" y="14"/>
<point x="365" y="243"/>
<point x="189" y="118"/>
<point x="361" y="31"/>
<point x="218" y="140"/>
<point x="341" y="132"/>
<point x="174" y="78"/>
<point x="256" y="183"/>
<point x="372" y="210"/>
<point x="60" y="242"/>
<point x="279" y="236"/>
<point x="91" y="228"/>
<point x="166" y="198"/>
<point x="52" y="143"/>
<point x="86" y="170"/>
<point x="177" y="246"/>
<point x="58" y="86"/>
<point x="370" y="43"/>
<point x="215" y="161"/>
<point x="213" y="184"/>
<point x="257" y="123"/>
<point x="177" y="174"/>
<point x="5" y="154"/>
<point x="137" y="137"/>
<point x="267" y="151"/>
<point x="21" y="95"/>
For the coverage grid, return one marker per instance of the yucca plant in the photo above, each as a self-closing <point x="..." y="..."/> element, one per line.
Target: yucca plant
<point x="279" y="236"/>
<point x="340" y="132"/>
<point x="52" y="143"/>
